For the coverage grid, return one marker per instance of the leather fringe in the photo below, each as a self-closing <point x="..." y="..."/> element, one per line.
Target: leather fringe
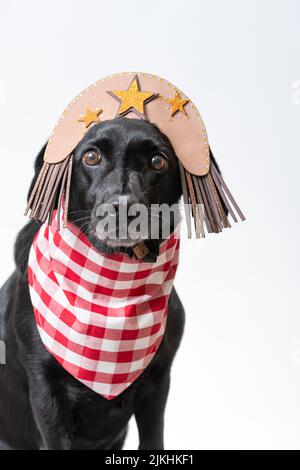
<point x="208" y="201"/>
<point x="52" y="184"/>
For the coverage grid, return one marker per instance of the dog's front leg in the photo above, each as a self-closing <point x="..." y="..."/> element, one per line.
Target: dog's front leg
<point x="48" y="414"/>
<point x="149" y="413"/>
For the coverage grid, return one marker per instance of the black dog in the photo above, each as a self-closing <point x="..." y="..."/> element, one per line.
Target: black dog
<point x="41" y="405"/>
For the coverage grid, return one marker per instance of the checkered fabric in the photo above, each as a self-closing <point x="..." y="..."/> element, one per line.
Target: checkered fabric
<point x="101" y="316"/>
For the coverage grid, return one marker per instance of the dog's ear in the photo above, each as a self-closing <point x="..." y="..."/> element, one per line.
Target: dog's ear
<point x="37" y="167"/>
<point x="26" y="235"/>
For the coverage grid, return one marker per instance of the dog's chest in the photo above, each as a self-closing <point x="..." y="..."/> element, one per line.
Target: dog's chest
<point x="93" y="421"/>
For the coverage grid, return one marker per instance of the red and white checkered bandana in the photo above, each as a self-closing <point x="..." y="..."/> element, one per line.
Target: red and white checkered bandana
<point x="101" y="316"/>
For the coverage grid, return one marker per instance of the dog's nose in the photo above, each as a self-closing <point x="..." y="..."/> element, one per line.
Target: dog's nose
<point x="122" y="204"/>
<point x="120" y="208"/>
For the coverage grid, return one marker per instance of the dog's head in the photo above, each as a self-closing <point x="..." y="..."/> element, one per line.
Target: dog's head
<point x="117" y="165"/>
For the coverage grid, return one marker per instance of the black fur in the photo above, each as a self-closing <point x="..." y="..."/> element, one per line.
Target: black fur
<point x="41" y="405"/>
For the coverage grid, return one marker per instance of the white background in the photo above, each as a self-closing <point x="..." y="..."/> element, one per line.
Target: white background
<point x="236" y="379"/>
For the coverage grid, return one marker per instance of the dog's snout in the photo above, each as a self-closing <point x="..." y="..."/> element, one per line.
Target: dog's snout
<point x="112" y="208"/>
<point x="122" y="204"/>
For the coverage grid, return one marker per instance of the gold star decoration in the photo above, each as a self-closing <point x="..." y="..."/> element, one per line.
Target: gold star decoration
<point x="90" y="116"/>
<point x="133" y="99"/>
<point x="177" y="104"/>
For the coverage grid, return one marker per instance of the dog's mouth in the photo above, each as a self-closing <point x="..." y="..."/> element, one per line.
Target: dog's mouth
<point x="112" y="232"/>
<point x="116" y="227"/>
<point x="111" y="240"/>
<point x="122" y="237"/>
<point x="121" y="243"/>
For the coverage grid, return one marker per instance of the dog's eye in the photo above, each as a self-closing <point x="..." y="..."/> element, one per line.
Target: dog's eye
<point x="158" y="162"/>
<point x="91" y="158"/>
